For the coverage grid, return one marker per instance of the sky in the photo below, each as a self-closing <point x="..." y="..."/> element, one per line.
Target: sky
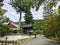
<point x="14" y="16"/>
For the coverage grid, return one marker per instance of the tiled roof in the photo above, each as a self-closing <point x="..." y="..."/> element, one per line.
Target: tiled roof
<point x="14" y="24"/>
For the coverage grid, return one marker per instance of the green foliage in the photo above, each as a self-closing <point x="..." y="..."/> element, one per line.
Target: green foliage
<point x="28" y="18"/>
<point x="38" y="24"/>
<point x="52" y="21"/>
<point x="38" y="3"/>
<point x="36" y="32"/>
<point x="1" y="10"/>
<point x="48" y="7"/>
<point x="58" y="11"/>
<point x="20" y="31"/>
<point x="52" y="26"/>
<point x="52" y="3"/>
<point x="21" y="5"/>
<point x="1" y="0"/>
<point x="25" y="5"/>
<point x="1" y="3"/>
<point x="5" y="20"/>
<point x="4" y="30"/>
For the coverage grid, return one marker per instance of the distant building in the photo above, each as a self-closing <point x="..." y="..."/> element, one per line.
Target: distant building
<point x="27" y="28"/>
<point x="12" y="25"/>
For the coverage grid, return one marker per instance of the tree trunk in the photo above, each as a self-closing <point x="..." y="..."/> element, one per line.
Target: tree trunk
<point x="35" y="35"/>
<point x="19" y="27"/>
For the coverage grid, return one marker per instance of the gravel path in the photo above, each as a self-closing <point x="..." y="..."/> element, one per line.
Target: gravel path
<point x="14" y="37"/>
<point x="41" y="40"/>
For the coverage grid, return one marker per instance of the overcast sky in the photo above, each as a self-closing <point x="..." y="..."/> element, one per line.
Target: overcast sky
<point x="11" y="13"/>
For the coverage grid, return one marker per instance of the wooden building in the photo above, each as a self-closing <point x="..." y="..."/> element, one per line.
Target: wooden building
<point x="27" y="28"/>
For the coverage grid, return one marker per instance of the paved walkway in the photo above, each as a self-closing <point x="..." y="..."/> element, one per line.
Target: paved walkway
<point x="41" y="40"/>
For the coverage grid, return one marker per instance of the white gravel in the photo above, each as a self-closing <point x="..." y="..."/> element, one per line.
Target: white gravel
<point x="14" y="37"/>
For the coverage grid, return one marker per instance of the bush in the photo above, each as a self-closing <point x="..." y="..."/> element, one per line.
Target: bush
<point x="36" y="32"/>
<point x="20" y="31"/>
<point x="4" y="30"/>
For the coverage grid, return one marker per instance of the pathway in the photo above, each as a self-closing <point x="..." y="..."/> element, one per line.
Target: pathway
<point x="41" y="40"/>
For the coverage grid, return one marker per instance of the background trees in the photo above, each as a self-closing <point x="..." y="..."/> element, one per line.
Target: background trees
<point x="28" y="18"/>
<point x="25" y="6"/>
<point x="21" y="6"/>
<point x="52" y="25"/>
<point x="38" y="27"/>
<point x="3" y="28"/>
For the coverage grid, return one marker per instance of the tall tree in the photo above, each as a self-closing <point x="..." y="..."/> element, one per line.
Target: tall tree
<point x="28" y="18"/>
<point x="3" y="28"/>
<point x="25" y="5"/>
<point x="2" y="11"/>
<point x="48" y="7"/>
<point x="52" y="25"/>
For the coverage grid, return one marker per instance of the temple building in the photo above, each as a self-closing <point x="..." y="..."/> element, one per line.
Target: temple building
<point x="27" y="28"/>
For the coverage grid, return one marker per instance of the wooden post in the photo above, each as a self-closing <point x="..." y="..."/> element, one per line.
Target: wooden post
<point x="2" y="43"/>
<point x="6" y="41"/>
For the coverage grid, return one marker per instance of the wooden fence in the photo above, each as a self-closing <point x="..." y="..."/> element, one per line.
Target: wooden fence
<point x="7" y="42"/>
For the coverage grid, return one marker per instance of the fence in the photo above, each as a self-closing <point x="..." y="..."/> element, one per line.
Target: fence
<point x="7" y="42"/>
<point x="17" y="42"/>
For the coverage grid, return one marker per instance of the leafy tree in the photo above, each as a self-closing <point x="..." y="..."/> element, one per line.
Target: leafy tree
<point x="58" y="11"/>
<point x="37" y="27"/>
<point x="58" y="22"/>
<point x="36" y="32"/>
<point x="48" y="7"/>
<point x="1" y="6"/>
<point x="3" y="28"/>
<point x="28" y="18"/>
<point x="52" y="25"/>
<point x="25" y="5"/>
<point x="38" y="24"/>
<point x="2" y="18"/>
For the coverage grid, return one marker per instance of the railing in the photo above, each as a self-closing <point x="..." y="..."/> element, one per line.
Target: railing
<point x="7" y="42"/>
<point x="17" y="42"/>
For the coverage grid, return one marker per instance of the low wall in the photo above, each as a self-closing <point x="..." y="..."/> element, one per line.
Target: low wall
<point x="17" y="42"/>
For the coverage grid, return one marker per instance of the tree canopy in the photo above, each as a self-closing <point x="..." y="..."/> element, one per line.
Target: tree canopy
<point x="28" y="18"/>
<point x="3" y="28"/>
